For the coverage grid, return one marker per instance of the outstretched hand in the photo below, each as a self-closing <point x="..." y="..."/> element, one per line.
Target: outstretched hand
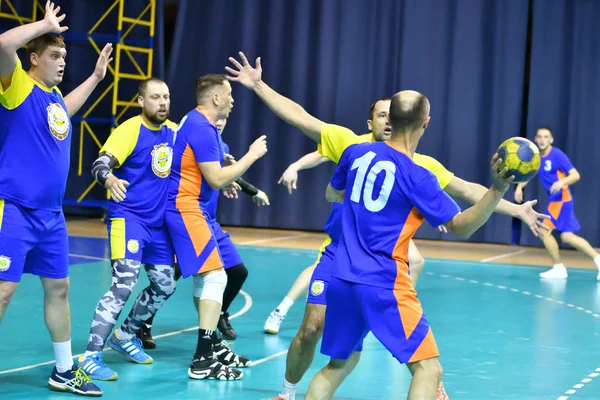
<point x="103" y="60"/>
<point x="244" y="72"/>
<point x="532" y="218"/>
<point x="53" y="20"/>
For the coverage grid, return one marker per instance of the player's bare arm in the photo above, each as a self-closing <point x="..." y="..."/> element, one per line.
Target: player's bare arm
<point x="572" y="177"/>
<point x="101" y="172"/>
<point x="466" y="223"/>
<point x="334" y="196"/>
<point x="219" y="177"/>
<point x="75" y="100"/>
<point x="14" y="39"/>
<point x="473" y="192"/>
<point x="289" y="178"/>
<point x="284" y="108"/>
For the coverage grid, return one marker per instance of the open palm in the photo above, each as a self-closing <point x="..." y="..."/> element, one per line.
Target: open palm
<point x="244" y="72"/>
<point x="532" y="218"/>
<point x="53" y="19"/>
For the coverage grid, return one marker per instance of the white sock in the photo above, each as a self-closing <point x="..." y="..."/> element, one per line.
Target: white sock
<point x="289" y="388"/>
<point x="597" y="261"/>
<point x="88" y="353"/>
<point x="123" y="335"/>
<point x="63" y="355"/>
<point x="559" y="266"/>
<point x="285" y="305"/>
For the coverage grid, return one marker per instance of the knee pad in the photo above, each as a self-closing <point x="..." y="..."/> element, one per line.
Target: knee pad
<point x="213" y="286"/>
<point x="198" y="284"/>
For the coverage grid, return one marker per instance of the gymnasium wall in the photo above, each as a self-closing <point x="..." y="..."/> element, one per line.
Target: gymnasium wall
<point x="491" y="69"/>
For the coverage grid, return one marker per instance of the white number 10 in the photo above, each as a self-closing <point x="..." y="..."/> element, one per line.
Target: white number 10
<point x="362" y="164"/>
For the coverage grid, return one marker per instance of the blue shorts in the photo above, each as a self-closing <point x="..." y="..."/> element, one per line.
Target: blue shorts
<point x="394" y="316"/>
<point x="562" y="217"/>
<point x="201" y="245"/>
<point x="32" y="242"/>
<point x="133" y="240"/>
<point x="319" y="281"/>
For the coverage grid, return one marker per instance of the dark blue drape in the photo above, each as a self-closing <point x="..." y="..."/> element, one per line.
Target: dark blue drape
<point x="335" y="58"/>
<point x="565" y="95"/>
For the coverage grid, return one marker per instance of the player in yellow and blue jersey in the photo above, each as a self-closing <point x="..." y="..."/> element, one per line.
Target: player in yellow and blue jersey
<point x="386" y="197"/>
<point x="141" y="152"/>
<point x="333" y="140"/>
<point x="35" y="142"/>
<point x="557" y="173"/>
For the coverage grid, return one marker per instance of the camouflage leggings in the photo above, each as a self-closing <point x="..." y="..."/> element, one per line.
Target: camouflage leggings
<point x="125" y="274"/>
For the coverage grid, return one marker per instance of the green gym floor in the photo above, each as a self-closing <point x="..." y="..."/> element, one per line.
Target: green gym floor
<point x="502" y="332"/>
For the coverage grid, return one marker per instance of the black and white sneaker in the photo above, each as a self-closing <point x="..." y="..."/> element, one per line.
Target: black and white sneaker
<point x="211" y="368"/>
<point x="224" y="354"/>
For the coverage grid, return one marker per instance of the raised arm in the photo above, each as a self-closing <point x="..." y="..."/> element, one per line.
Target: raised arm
<point x="75" y="100"/>
<point x="14" y="39"/>
<point x="473" y="192"/>
<point x="284" y="108"/>
<point x="467" y="222"/>
<point x="219" y="177"/>
<point x="289" y="178"/>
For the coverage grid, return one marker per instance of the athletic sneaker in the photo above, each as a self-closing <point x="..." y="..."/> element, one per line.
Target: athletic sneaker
<point x="211" y="368"/>
<point x="75" y="381"/>
<point x="223" y="353"/>
<point x="225" y="327"/>
<point x="274" y="322"/>
<point x="555" y="273"/>
<point x="96" y="368"/>
<point x="145" y="335"/>
<point x="132" y="348"/>
<point x="283" y="396"/>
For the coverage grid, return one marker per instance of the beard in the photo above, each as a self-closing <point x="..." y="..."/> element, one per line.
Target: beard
<point x="155" y="118"/>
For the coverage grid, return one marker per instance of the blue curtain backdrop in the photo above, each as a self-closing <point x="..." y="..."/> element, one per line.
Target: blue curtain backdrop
<point x="565" y="95"/>
<point x="492" y="69"/>
<point x="335" y="58"/>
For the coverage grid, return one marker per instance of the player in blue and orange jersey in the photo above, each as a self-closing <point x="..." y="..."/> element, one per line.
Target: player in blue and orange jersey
<point x="557" y="173"/>
<point x="236" y="274"/>
<point x="386" y="197"/>
<point x="35" y="144"/>
<point x="141" y="152"/>
<point x="201" y="246"/>
<point x="333" y="140"/>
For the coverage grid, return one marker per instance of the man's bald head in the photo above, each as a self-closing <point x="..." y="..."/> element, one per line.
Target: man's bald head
<point x="409" y="111"/>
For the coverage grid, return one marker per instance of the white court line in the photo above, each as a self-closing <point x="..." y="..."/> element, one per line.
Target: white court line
<point x="272" y="356"/>
<point x="247" y="305"/>
<point x="277" y="239"/>
<point x="88" y="257"/>
<point x="580" y="385"/>
<point x="503" y="256"/>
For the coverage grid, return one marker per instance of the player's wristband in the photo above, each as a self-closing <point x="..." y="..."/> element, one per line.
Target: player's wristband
<point x="102" y="166"/>
<point x="246" y="187"/>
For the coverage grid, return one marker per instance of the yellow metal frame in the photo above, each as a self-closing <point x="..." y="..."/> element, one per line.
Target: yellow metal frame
<point x="119" y="106"/>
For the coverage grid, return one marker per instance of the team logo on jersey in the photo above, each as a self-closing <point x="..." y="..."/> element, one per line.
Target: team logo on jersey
<point x="547" y="165"/>
<point x="58" y="121"/>
<point x="4" y="263"/>
<point x="133" y="246"/>
<point x="162" y="157"/>
<point x="317" y="287"/>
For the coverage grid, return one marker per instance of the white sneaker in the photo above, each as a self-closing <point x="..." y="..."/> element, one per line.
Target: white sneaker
<point x="555" y="273"/>
<point x="274" y="322"/>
